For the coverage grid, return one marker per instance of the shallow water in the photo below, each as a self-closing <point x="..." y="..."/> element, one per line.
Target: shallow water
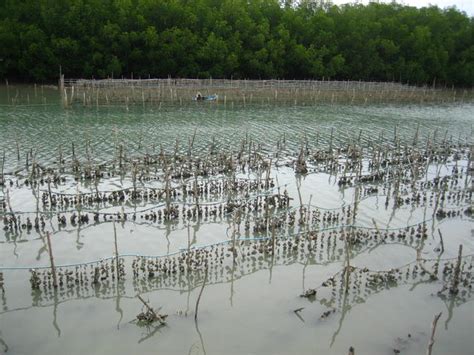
<point x="48" y="128"/>
<point x="246" y="307"/>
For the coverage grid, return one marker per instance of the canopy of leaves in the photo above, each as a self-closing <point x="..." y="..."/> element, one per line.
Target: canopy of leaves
<point x="306" y="39"/>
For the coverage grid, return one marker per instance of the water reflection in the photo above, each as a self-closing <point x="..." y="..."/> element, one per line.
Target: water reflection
<point x="230" y="234"/>
<point x="3" y="343"/>
<point x="332" y="294"/>
<point x="362" y="283"/>
<point x="55" y="313"/>
<point x="201" y="339"/>
<point x="151" y="330"/>
<point x="117" y="305"/>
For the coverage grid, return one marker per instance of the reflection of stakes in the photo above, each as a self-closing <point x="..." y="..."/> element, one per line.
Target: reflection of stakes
<point x="347" y="270"/>
<point x="4" y="344"/>
<point x="234" y="255"/>
<point x="37" y="197"/>
<point x="450" y="308"/>
<point x="55" y="313"/>
<point x="79" y="244"/>
<point x="200" y="294"/>
<point x="273" y="251"/>
<point x="352" y="245"/>
<point x="345" y="308"/>
<point x="347" y="241"/>
<point x="151" y="334"/>
<point x="196" y="311"/>
<point x="7" y="197"/>
<point x="117" y="304"/>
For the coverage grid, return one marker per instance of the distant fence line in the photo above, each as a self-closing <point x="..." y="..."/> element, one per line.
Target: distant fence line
<point x="243" y="84"/>
<point x="91" y="92"/>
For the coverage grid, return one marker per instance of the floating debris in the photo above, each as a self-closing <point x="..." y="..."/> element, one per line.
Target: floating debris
<point x="150" y="315"/>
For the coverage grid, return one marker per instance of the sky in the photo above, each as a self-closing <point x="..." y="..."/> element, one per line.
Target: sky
<point x="463" y="5"/>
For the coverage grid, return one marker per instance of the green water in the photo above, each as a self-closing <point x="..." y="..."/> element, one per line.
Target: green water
<point x="248" y="308"/>
<point x="47" y="128"/>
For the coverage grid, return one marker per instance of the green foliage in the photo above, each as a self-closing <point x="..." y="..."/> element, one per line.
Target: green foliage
<point x="306" y="39"/>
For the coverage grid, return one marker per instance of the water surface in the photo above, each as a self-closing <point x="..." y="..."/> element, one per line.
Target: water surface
<point x="248" y="308"/>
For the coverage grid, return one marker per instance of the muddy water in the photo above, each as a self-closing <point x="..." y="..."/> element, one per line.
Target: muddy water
<point x="247" y="306"/>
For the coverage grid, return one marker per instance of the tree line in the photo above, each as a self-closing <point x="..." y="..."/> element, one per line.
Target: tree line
<point x="258" y="39"/>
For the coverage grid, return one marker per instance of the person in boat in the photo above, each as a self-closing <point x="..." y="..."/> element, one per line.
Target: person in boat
<point x="199" y="96"/>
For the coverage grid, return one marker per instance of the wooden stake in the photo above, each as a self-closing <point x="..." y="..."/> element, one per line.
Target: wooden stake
<point x="273" y="238"/>
<point x="433" y="330"/>
<point x="2" y="176"/>
<point x="441" y="238"/>
<point x="348" y="264"/>
<point x="376" y="227"/>
<point x="330" y="141"/>
<point x="51" y="258"/>
<point x="454" y="287"/>
<point x="116" y="252"/>
<point x="17" y="148"/>
<point x="147" y="306"/>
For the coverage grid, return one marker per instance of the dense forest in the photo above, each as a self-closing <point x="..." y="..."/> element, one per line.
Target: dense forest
<point x="304" y="39"/>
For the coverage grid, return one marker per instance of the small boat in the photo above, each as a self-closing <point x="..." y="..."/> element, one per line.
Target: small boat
<point x="205" y="98"/>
